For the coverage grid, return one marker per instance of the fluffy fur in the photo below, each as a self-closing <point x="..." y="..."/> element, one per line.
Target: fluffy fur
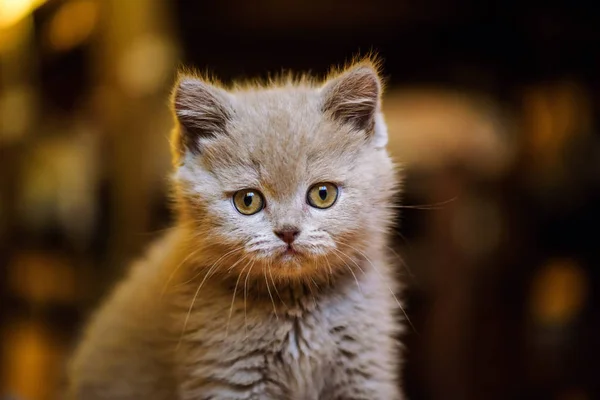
<point x="219" y="309"/>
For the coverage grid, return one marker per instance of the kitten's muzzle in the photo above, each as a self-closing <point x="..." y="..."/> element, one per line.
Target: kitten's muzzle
<point x="288" y="235"/>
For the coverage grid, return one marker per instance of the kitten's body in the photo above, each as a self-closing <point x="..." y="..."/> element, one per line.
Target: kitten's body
<point x="219" y="309"/>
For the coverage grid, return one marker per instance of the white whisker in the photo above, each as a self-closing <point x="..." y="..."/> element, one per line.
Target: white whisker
<point x="351" y="259"/>
<point x="401" y="260"/>
<point x="233" y="298"/>
<point x="232" y="266"/>
<point x="172" y="274"/>
<point x="270" y="295"/>
<point x="215" y="263"/>
<point x="384" y="282"/>
<point x="330" y="276"/>
<point x="349" y="269"/>
<point x="189" y="313"/>
<point x="275" y="285"/>
<point x="245" y="298"/>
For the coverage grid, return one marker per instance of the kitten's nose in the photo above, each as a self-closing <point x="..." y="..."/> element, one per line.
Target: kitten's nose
<point x="288" y="235"/>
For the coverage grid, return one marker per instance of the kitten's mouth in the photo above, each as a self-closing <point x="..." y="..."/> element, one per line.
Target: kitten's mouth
<point x="290" y="253"/>
<point x="291" y="250"/>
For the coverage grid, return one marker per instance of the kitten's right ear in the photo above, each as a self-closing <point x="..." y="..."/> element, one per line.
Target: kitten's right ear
<point x="202" y="111"/>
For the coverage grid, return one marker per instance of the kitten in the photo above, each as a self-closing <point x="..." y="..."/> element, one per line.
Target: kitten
<point x="274" y="283"/>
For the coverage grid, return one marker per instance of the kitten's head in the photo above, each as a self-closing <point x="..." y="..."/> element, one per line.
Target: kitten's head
<point x="290" y="178"/>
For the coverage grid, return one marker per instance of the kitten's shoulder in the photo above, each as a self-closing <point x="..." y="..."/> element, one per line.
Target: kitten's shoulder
<point x="120" y="341"/>
<point x="158" y="255"/>
<point x="141" y="284"/>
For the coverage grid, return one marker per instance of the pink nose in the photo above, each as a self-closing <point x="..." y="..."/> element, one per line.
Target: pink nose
<point x="288" y="235"/>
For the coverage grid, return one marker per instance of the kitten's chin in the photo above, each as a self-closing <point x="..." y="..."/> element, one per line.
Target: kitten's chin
<point x="291" y="255"/>
<point x="284" y="263"/>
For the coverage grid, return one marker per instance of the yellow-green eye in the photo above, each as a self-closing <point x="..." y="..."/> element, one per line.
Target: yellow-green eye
<point x="248" y="201"/>
<point x="322" y="195"/>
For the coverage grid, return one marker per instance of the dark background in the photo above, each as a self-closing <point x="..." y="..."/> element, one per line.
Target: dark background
<point x="493" y="109"/>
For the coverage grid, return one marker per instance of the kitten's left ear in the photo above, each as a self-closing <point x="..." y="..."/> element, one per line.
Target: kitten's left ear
<point x="355" y="98"/>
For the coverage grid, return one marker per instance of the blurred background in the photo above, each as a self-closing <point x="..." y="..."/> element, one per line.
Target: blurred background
<point x="493" y="109"/>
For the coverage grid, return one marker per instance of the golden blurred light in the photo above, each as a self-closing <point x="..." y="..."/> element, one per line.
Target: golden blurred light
<point x="16" y="113"/>
<point x="59" y="178"/>
<point x="558" y="293"/>
<point x="13" y="11"/>
<point x="146" y="65"/>
<point x="32" y="358"/>
<point x="15" y="37"/>
<point x="72" y="24"/>
<point x="432" y="128"/>
<point x="42" y="278"/>
<point x="553" y="115"/>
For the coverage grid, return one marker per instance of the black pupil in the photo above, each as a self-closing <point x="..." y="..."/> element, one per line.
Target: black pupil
<point x="248" y="199"/>
<point x="323" y="192"/>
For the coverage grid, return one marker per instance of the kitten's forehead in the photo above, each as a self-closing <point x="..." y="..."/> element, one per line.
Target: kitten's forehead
<point x="282" y="139"/>
<point x="278" y="114"/>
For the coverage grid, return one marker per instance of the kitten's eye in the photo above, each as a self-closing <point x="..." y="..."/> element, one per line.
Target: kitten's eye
<point x="248" y="201"/>
<point x="322" y="195"/>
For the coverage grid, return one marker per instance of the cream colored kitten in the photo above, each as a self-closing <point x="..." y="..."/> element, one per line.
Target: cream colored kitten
<point x="274" y="284"/>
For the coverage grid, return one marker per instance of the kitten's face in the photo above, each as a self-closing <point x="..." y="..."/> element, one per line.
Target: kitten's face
<point x="292" y="180"/>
